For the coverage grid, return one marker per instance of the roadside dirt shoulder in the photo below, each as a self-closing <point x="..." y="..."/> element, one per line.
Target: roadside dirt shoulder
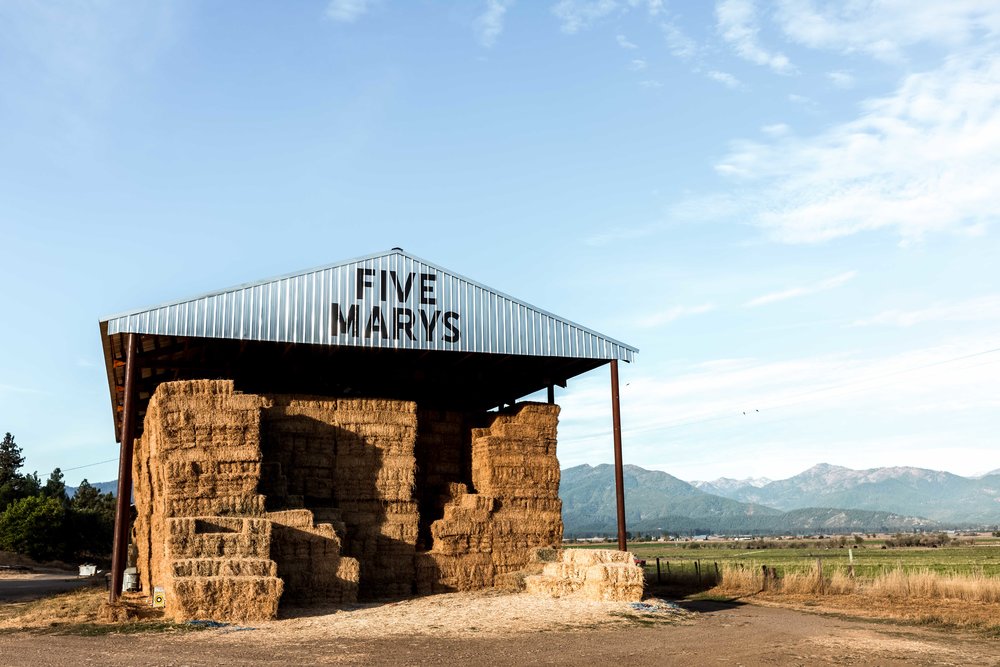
<point x="509" y="630"/>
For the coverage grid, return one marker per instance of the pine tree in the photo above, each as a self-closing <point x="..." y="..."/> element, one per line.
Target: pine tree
<point x="10" y="460"/>
<point x="55" y="486"/>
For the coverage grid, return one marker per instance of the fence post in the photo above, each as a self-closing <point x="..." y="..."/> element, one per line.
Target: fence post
<point x="697" y="569"/>
<point x="658" y="580"/>
<point x="716" y="571"/>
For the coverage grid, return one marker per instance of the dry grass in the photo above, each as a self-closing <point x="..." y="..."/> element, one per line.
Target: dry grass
<point x="897" y="583"/>
<point x="922" y="596"/>
<point x="83" y="611"/>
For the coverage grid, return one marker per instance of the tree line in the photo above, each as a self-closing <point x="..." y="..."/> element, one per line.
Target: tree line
<point x="42" y="522"/>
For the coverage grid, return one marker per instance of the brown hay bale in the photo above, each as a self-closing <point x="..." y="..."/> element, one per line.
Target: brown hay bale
<point x="514" y="582"/>
<point x="224" y="567"/>
<point x="585" y="557"/>
<point x="233" y="599"/>
<point x="614" y="582"/>
<point x="545" y="586"/>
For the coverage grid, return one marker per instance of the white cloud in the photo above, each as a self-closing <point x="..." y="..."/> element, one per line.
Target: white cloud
<point x="841" y="79"/>
<point x="735" y="409"/>
<point x="776" y="130"/>
<point x="737" y="22"/>
<point x="970" y="310"/>
<point x="650" y="83"/>
<point x="793" y="292"/>
<point x="679" y="44"/>
<point x="923" y="159"/>
<point x="576" y="15"/>
<point x="489" y="24"/>
<point x="624" y="43"/>
<point x="884" y="29"/>
<point x="725" y="78"/>
<point x="347" y="11"/>
<point x="675" y="313"/>
<point x="637" y="64"/>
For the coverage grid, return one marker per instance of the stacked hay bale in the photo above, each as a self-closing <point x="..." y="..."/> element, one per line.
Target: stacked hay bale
<point x="443" y="453"/>
<point x="516" y="509"/>
<point x="595" y="574"/>
<point x="199" y="530"/>
<point x="374" y="486"/>
<point x="514" y="460"/>
<point x="352" y="462"/>
<point x="309" y="561"/>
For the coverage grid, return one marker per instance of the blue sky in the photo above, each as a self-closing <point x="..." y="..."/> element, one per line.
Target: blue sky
<point x="789" y="207"/>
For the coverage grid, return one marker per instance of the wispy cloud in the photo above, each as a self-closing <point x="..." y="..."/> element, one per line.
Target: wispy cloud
<point x="737" y="22"/>
<point x="741" y="398"/>
<point x="576" y="15"/>
<point x="776" y="130"/>
<point x="978" y="309"/>
<point x="624" y="43"/>
<point x="489" y="24"/>
<point x="650" y="83"/>
<point x="794" y="292"/>
<point x="675" y="313"/>
<point x="725" y="78"/>
<point x="678" y="43"/>
<point x="923" y="159"/>
<point x="885" y="29"/>
<point x="348" y="11"/>
<point x="841" y="79"/>
<point x="637" y="64"/>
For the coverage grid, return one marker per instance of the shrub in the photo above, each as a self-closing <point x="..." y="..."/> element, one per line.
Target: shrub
<point x="34" y="526"/>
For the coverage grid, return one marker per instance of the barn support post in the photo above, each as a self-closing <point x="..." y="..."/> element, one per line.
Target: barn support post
<point x="616" y="418"/>
<point x="119" y="554"/>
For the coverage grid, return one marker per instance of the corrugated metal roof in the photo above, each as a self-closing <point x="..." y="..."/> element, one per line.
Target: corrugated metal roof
<point x="389" y="300"/>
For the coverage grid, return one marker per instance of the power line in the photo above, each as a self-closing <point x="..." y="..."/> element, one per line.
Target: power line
<point x="89" y="465"/>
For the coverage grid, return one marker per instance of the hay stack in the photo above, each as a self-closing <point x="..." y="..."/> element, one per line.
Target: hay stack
<point x="595" y="574"/>
<point x="202" y="529"/>
<point x="314" y="498"/>
<point x="309" y="561"/>
<point x="198" y="528"/>
<point x="494" y="532"/>
<point x="352" y="462"/>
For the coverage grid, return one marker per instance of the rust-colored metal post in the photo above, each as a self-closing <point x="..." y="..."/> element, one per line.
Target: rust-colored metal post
<point x="616" y="417"/>
<point x="119" y="553"/>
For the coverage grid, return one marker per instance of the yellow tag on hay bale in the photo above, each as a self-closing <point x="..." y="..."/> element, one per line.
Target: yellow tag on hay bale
<point x="159" y="597"/>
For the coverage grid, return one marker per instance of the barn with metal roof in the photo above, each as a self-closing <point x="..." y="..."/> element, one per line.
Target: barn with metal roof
<point x="388" y="325"/>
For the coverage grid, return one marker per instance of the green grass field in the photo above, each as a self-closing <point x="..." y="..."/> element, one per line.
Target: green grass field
<point x="870" y="559"/>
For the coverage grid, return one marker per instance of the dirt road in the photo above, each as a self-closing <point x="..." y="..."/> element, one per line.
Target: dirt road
<point x="37" y="585"/>
<point x="712" y="634"/>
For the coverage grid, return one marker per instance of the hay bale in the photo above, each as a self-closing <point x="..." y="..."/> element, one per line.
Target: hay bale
<point x="586" y="557"/>
<point x="614" y="582"/>
<point x="595" y="574"/>
<point x="545" y="586"/>
<point x="234" y="599"/>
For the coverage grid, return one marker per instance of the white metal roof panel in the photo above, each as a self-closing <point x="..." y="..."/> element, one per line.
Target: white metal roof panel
<point x="390" y="300"/>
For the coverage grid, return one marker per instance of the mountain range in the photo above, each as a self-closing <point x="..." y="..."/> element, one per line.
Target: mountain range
<point x="658" y="502"/>
<point x="104" y="487"/>
<point x="940" y="496"/>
